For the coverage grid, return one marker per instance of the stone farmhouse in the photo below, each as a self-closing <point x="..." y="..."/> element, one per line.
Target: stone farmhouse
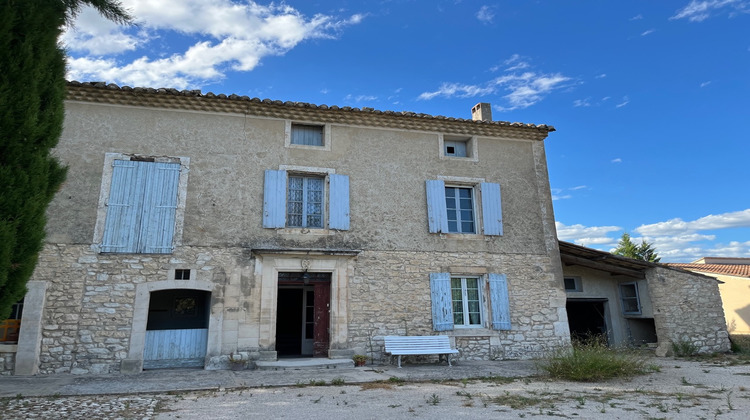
<point x="194" y="227"/>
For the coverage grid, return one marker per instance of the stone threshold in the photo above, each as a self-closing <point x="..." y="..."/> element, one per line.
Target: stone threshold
<point x="309" y="363"/>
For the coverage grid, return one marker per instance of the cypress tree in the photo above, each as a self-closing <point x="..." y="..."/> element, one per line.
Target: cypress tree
<point x="32" y="90"/>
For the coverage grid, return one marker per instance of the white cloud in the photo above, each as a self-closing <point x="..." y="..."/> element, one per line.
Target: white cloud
<point x="625" y="101"/>
<point x="222" y="35"/>
<point x="522" y="89"/>
<point x="648" y="32"/>
<point x="601" y="76"/>
<point x="486" y="14"/>
<point x="637" y="17"/>
<point x="698" y="11"/>
<point x="582" y="102"/>
<point x="587" y="235"/>
<point x="360" y="98"/>
<point x="616" y="160"/>
<point x="704" y="84"/>
<point x="711" y="222"/>
<point x="579" y="187"/>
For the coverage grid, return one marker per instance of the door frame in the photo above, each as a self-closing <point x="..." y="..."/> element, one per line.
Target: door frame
<point x="134" y="361"/>
<point x="269" y="262"/>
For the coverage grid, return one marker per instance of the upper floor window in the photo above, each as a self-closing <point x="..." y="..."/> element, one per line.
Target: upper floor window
<point x="453" y="208"/>
<point x="141" y="206"/>
<point x="315" y="198"/>
<point x="459" y="203"/>
<point x="307" y="135"/>
<point x="305" y="201"/>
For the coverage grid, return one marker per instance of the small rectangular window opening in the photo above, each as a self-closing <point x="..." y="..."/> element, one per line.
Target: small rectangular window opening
<point x="307" y="135"/>
<point x="182" y="274"/>
<point x="456" y="148"/>
<point x="572" y="284"/>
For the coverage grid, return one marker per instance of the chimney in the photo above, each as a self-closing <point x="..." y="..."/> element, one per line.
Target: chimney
<point x="481" y="112"/>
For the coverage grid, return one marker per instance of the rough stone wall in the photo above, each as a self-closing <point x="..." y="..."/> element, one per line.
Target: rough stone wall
<point x="88" y="315"/>
<point x="390" y="295"/>
<point x="7" y="363"/>
<point x="687" y="308"/>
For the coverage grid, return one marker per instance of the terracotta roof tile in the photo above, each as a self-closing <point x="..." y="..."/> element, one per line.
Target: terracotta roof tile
<point x="739" y="270"/>
<point x="194" y="100"/>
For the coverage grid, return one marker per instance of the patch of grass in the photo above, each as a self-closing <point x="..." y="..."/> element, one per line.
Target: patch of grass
<point x="433" y="399"/>
<point x="396" y="380"/>
<point x="740" y="344"/>
<point x="518" y="401"/>
<point x="337" y="381"/>
<point x="592" y="361"/>
<point x="684" y="348"/>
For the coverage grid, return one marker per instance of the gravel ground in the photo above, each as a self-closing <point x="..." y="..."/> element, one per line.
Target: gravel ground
<point x="680" y="389"/>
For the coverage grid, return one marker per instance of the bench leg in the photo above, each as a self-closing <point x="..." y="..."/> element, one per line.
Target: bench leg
<point x="399" y="361"/>
<point x="448" y="356"/>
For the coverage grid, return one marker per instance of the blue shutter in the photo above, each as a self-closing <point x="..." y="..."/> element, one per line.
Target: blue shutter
<point x="437" y="214"/>
<point x="442" y="305"/>
<point x="500" y="302"/>
<point x="159" y="207"/>
<point x="274" y="199"/>
<point x="492" y="211"/>
<point x="123" y="208"/>
<point x="339" y="202"/>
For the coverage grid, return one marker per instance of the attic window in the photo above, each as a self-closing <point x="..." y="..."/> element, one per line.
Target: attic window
<point x="631" y="304"/>
<point x="455" y="148"/>
<point x="459" y="147"/>
<point x="307" y="135"/>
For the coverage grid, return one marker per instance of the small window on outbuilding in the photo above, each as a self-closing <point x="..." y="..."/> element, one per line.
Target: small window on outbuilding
<point x="631" y="304"/>
<point x="572" y="284"/>
<point x="307" y="135"/>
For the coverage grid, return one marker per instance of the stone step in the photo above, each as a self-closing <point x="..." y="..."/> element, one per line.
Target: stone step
<point x="305" y="364"/>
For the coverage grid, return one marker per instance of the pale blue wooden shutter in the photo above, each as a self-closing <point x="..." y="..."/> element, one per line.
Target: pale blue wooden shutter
<point x="123" y="208"/>
<point x="339" y="202"/>
<point x="159" y="207"/>
<point x="437" y="214"/>
<point x="274" y="199"/>
<point x="500" y="302"/>
<point x="492" y="211"/>
<point x="442" y="305"/>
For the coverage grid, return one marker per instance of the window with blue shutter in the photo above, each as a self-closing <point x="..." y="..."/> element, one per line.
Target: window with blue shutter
<point x="437" y="214"/>
<point x="451" y="209"/>
<point x="492" y="210"/>
<point x="299" y="200"/>
<point x="338" y="202"/>
<point x="141" y="208"/>
<point x="500" y="302"/>
<point x="442" y="304"/>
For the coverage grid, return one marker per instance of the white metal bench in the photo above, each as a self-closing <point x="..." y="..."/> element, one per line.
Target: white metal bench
<point x="399" y="346"/>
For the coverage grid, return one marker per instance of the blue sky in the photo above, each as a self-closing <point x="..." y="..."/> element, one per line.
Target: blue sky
<point x="649" y="98"/>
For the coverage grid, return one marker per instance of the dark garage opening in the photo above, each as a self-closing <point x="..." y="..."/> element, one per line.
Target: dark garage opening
<point x="586" y="319"/>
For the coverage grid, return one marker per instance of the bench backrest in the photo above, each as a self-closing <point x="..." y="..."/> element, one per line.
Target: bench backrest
<point x="415" y="344"/>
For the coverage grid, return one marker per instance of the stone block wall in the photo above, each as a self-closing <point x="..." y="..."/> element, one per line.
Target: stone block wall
<point x="7" y="362"/>
<point x="687" y="308"/>
<point x="390" y="295"/>
<point x="90" y="304"/>
<point x="87" y="320"/>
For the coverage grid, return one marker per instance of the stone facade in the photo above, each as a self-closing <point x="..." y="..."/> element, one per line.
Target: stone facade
<point x="92" y="303"/>
<point x="687" y="308"/>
